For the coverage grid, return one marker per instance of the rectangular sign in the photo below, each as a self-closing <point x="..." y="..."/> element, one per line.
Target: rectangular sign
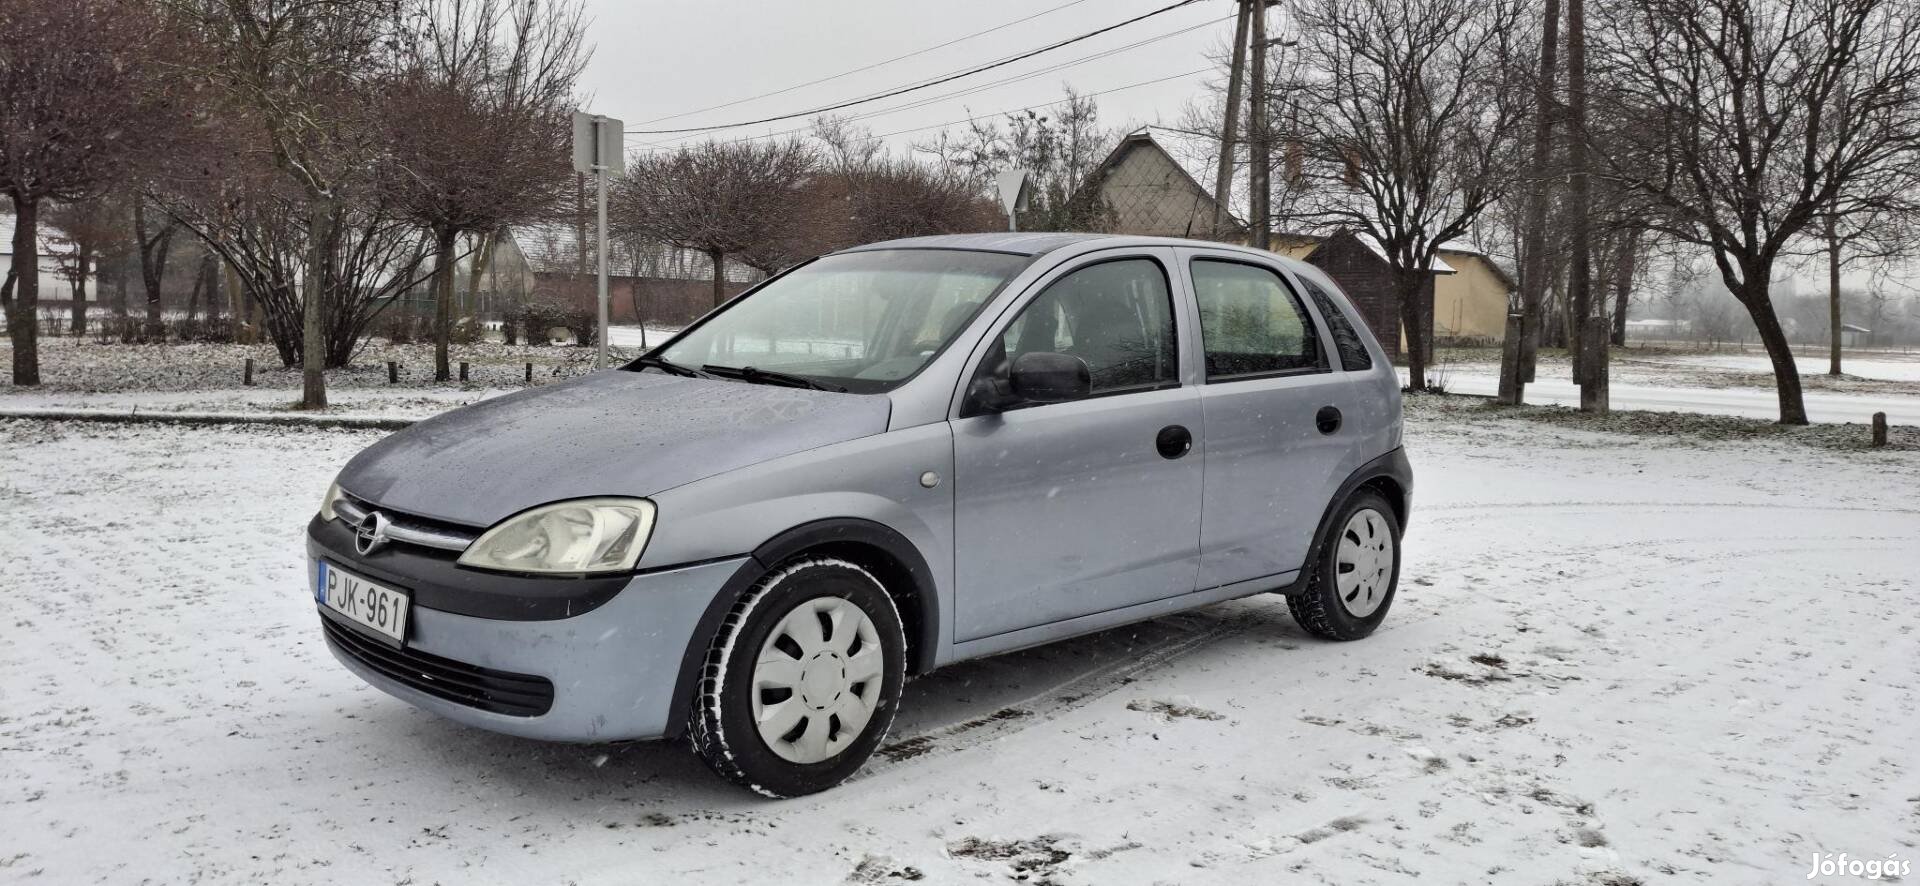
<point x="599" y="141"/>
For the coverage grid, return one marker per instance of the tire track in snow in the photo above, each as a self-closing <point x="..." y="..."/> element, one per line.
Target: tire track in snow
<point x="1059" y="699"/>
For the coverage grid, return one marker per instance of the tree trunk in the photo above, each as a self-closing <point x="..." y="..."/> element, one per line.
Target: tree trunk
<point x="1259" y="147"/>
<point x="1517" y="371"/>
<point x="1625" y="264"/>
<point x="237" y="302"/>
<point x="313" y="340"/>
<point x="580" y="223"/>
<point x="193" y="295"/>
<point x="482" y="260"/>
<point x="154" y="249"/>
<point x="1579" y="203"/>
<point x="120" y="288"/>
<point x="443" y="271"/>
<point x="1786" y="375"/>
<point x="719" y="275"/>
<point x="24" y="307"/>
<point x="1833" y="295"/>
<point x="1594" y="395"/>
<point x="84" y="254"/>
<point x="1223" y="177"/>
<point x="1407" y="284"/>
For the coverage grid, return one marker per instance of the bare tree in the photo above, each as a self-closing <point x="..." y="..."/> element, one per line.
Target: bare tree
<point x="717" y="197"/>
<point x="476" y="124"/>
<point x="153" y="239"/>
<point x="94" y="229"/>
<point x="1059" y="146"/>
<point x="301" y="71"/>
<point x="1869" y="237"/>
<point x="1749" y="121"/>
<point x="82" y="101"/>
<point x="860" y="194"/>
<point x="1415" y="109"/>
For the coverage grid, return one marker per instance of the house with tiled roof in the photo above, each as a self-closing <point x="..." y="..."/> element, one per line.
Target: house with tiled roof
<point x="1157" y="182"/>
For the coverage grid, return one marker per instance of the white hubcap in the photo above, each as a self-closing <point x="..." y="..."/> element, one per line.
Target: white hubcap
<point x="1364" y="564"/>
<point x="817" y="680"/>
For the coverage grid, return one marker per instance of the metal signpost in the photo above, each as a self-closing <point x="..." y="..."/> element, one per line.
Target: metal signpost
<point x="1013" y="194"/>
<point x="599" y="148"/>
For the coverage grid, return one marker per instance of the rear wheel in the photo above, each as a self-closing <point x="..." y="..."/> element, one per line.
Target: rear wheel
<point x="803" y="680"/>
<point x="1357" y="572"/>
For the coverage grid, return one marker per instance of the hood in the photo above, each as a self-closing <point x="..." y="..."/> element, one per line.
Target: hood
<point x="609" y="433"/>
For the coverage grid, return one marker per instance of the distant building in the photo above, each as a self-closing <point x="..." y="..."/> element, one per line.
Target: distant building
<point x="1151" y="184"/>
<point x="648" y="282"/>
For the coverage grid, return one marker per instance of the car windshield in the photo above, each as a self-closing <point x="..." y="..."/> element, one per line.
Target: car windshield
<point x="857" y="321"/>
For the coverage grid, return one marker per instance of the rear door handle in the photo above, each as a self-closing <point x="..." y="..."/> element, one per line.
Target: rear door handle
<point x="1173" y="441"/>
<point x="1327" y="419"/>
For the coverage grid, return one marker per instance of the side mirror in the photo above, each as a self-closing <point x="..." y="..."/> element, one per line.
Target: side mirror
<point x="1045" y="377"/>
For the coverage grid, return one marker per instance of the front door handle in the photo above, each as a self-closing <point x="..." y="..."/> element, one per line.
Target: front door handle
<point x="1327" y="419"/>
<point x="1173" y="441"/>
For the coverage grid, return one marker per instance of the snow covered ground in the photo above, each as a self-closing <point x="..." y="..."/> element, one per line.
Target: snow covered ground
<point x="1615" y="660"/>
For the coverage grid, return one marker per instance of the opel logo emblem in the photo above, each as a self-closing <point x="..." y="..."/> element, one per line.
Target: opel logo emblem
<point x="371" y="534"/>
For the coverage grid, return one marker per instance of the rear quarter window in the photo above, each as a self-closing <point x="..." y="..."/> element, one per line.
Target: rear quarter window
<point x="1346" y="339"/>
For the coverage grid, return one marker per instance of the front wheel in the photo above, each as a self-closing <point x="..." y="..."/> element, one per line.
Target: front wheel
<point x="803" y="679"/>
<point x="1353" y="581"/>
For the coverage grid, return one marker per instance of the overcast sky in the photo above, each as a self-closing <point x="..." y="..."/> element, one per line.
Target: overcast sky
<point x="656" y="58"/>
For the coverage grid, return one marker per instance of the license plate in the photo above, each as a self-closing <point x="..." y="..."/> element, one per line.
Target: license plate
<point x="379" y="608"/>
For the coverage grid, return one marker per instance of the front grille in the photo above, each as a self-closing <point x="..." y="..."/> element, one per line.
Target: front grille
<point x="407" y="529"/>
<point x="499" y="692"/>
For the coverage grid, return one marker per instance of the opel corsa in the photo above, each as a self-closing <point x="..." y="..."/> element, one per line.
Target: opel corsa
<point x="880" y="462"/>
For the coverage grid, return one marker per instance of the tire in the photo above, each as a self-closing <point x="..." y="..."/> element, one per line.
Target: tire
<point x="1367" y="536"/>
<point x="793" y="651"/>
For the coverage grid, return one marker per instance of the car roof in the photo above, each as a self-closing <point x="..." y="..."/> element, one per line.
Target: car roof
<point x="1013" y="242"/>
<point x="1041" y="242"/>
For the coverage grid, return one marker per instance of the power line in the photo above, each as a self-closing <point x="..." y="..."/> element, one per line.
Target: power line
<point x="935" y="82"/>
<point x="971" y="90"/>
<point x="1038" y="106"/>
<point x="865" y="67"/>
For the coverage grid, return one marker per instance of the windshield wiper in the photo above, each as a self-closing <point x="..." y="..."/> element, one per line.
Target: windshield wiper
<point x="755" y="375"/>
<point x="670" y="367"/>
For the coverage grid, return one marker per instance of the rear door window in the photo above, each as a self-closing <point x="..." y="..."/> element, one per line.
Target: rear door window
<point x="1251" y="323"/>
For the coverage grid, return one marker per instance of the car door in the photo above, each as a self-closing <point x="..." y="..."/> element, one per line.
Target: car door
<point x="1272" y="418"/>
<point x="1069" y="509"/>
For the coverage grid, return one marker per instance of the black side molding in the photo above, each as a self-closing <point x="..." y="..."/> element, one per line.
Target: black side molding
<point x="1392" y="467"/>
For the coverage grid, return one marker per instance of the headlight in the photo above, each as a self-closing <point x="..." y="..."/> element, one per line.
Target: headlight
<point x="584" y="535"/>
<point x="333" y="498"/>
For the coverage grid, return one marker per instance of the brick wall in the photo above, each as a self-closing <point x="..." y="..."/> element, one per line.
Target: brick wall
<point x="1367" y="281"/>
<point x="664" y="302"/>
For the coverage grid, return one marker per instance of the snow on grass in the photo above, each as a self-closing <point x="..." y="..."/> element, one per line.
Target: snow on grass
<point x="1614" y="659"/>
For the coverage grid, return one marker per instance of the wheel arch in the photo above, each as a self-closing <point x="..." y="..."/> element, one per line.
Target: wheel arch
<point x="876" y="547"/>
<point x="1389" y="475"/>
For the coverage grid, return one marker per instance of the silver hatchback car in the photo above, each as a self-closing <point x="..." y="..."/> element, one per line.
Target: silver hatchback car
<point x="880" y="462"/>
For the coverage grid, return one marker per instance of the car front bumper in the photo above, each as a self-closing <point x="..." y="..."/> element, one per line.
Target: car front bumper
<point x="615" y="669"/>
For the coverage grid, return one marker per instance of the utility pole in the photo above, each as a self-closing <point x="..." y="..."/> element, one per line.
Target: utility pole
<point x="1230" y="125"/>
<point x="1259" y="159"/>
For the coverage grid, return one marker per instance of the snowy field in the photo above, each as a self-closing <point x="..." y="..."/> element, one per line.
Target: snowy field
<point x="1615" y="660"/>
<point x="1732" y="384"/>
<point x="1745" y="402"/>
